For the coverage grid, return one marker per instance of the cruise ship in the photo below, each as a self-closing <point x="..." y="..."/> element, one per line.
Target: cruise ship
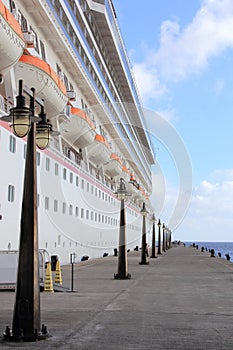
<point x="72" y="53"/>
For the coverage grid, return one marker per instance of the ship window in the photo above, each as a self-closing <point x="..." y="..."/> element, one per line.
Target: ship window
<point x="82" y="184"/>
<point x="11" y="193"/>
<point x="9" y="246"/>
<point x="42" y="50"/>
<point x="58" y="69"/>
<point x="56" y="169"/>
<point x="12" y="6"/>
<point x="38" y="158"/>
<point x="64" y="173"/>
<point x="99" y="194"/>
<point x="88" y="186"/>
<point x="92" y="189"/>
<point x="71" y="178"/>
<point x="99" y="217"/>
<point x="77" y="181"/>
<point x="55" y="205"/>
<point x="103" y="195"/>
<point x="106" y="219"/>
<point x="36" y="46"/>
<point x="92" y="215"/>
<point x="95" y="216"/>
<point x="66" y="82"/>
<point x="47" y="164"/>
<point x="12" y="144"/>
<point x="63" y="208"/>
<point x="96" y="192"/>
<point x="102" y="218"/>
<point x="46" y="203"/>
<point x="82" y="212"/>
<point x="76" y="211"/>
<point x="70" y="209"/>
<point x="46" y="244"/>
<point x="59" y="240"/>
<point x="87" y="214"/>
<point x="23" y="22"/>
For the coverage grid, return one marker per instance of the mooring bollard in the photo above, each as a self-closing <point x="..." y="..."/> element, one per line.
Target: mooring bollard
<point x="219" y="254"/>
<point x="202" y="249"/>
<point x="212" y="253"/>
<point x="228" y="257"/>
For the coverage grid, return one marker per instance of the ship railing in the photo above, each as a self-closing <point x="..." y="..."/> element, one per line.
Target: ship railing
<point x="82" y="167"/>
<point x="5" y="105"/>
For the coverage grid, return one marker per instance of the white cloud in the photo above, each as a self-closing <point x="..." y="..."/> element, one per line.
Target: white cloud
<point x="210" y="216"/>
<point x="183" y="52"/>
<point x="148" y="82"/>
<point x="186" y="51"/>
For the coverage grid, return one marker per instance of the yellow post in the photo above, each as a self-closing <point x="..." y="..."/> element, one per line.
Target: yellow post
<point x="58" y="278"/>
<point x="48" y="284"/>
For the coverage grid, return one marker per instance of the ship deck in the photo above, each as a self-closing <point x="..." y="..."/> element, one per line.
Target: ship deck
<point x="182" y="300"/>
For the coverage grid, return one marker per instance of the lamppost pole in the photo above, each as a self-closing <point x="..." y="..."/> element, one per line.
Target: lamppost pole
<point x="26" y="316"/>
<point x="26" y="324"/>
<point x="159" y="237"/>
<point x="153" y="250"/>
<point x="164" y="238"/>
<point x="122" y="271"/>
<point x="170" y="239"/>
<point x="144" y="251"/>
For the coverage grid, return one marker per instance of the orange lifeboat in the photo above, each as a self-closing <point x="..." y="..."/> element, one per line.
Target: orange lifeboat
<point x="78" y="129"/>
<point x="11" y="39"/>
<point x="114" y="166"/>
<point x="38" y="74"/>
<point x="98" y="150"/>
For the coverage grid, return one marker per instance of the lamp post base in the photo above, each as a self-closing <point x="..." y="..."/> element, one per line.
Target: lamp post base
<point x="118" y="276"/>
<point x="20" y="337"/>
<point x="144" y="263"/>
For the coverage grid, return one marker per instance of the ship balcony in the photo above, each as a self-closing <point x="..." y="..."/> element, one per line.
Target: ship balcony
<point x="11" y="39"/>
<point x="114" y="166"/>
<point x="78" y="129"/>
<point x="38" y="74"/>
<point x="99" y="150"/>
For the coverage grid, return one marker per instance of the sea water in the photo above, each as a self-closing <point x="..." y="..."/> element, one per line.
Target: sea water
<point x="219" y="247"/>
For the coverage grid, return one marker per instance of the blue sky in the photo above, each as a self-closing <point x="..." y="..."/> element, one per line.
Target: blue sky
<point x="182" y="56"/>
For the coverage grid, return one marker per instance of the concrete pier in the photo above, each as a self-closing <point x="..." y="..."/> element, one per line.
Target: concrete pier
<point x="182" y="300"/>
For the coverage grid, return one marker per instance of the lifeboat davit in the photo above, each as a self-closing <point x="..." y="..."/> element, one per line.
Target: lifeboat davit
<point x="78" y="129"/>
<point x="125" y="174"/>
<point x="11" y="40"/>
<point x="114" y="165"/>
<point x="99" y="150"/>
<point x="38" y="74"/>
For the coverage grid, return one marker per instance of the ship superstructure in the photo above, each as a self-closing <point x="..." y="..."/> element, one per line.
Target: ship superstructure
<point x="73" y="54"/>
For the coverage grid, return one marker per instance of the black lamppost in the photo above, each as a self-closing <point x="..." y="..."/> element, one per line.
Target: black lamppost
<point x="164" y="237"/>
<point x="153" y="251"/>
<point x="144" y="251"/>
<point x="26" y="324"/>
<point x="159" y="237"/>
<point x="169" y="238"/>
<point x="122" y="271"/>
